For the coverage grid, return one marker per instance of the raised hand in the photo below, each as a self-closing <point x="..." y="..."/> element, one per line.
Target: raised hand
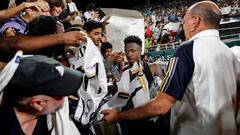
<point x="39" y="5"/>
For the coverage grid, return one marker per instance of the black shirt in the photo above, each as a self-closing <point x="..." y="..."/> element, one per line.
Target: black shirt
<point x="9" y="124"/>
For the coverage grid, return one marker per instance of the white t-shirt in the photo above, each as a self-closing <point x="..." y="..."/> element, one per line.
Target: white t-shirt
<point x="88" y="15"/>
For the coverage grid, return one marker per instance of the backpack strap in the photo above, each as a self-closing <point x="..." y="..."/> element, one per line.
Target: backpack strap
<point x="147" y="72"/>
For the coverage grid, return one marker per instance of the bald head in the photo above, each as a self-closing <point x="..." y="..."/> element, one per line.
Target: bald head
<point x="208" y="11"/>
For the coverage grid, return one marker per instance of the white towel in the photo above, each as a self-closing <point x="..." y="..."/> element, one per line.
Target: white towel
<point x="77" y="60"/>
<point x="92" y="92"/>
<point x="121" y="96"/>
<point x="93" y="57"/>
<point x="60" y="121"/>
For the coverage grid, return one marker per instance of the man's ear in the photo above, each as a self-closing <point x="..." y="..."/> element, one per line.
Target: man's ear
<point x="195" y="22"/>
<point x="38" y="104"/>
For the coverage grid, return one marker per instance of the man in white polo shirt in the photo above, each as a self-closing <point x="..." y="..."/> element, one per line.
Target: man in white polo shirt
<point x="201" y="82"/>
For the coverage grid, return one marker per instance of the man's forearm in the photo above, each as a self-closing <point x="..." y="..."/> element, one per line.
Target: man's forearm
<point x="28" y="44"/>
<point x="7" y="14"/>
<point x="158" y="106"/>
<point x="141" y="112"/>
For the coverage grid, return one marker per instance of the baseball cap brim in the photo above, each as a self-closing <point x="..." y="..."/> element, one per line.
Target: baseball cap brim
<point x="66" y="85"/>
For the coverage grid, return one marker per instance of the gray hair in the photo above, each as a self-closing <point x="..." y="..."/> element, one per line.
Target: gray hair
<point x="210" y="15"/>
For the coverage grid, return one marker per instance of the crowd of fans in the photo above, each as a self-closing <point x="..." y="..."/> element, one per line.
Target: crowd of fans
<point x="65" y="49"/>
<point x="173" y="12"/>
<point x="157" y="16"/>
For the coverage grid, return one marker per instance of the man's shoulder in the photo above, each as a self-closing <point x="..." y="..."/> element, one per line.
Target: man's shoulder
<point x="185" y="43"/>
<point x="185" y="47"/>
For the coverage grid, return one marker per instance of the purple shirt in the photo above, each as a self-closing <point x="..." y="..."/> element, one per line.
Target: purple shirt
<point x="16" y="23"/>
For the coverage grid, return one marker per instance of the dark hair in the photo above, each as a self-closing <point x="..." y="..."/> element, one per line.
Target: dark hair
<point x="157" y="23"/>
<point x="37" y="27"/>
<point x="133" y="39"/>
<point x="143" y="56"/>
<point x="105" y="46"/>
<point x="90" y="7"/>
<point x="56" y="3"/>
<point x="90" y="25"/>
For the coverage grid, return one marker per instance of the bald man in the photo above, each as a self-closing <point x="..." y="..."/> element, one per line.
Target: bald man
<point x="201" y="81"/>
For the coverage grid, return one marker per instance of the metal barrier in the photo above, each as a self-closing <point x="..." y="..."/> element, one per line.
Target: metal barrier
<point x="166" y="46"/>
<point x="230" y="30"/>
<point x="229" y="34"/>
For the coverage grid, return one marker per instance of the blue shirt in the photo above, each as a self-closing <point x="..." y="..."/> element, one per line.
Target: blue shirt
<point x="17" y="23"/>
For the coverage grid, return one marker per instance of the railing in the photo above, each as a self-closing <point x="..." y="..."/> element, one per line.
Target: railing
<point x="229" y="31"/>
<point x="166" y="46"/>
<point x="229" y="34"/>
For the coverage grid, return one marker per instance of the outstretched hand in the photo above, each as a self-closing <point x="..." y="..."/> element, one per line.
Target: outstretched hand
<point x="105" y="21"/>
<point x="116" y="57"/>
<point x="39" y="5"/>
<point x="74" y="38"/>
<point x="110" y="116"/>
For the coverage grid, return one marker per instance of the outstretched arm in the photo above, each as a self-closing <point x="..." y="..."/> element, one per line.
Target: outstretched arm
<point x="159" y="105"/>
<point x="7" y="14"/>
<point x="30" y="44"/>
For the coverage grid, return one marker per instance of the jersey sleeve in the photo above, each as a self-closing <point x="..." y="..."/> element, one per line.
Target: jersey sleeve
<point x="179" y="72"/>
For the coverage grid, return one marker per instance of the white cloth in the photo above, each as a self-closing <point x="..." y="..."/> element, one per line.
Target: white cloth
<point x="236" y="52"/>
<point x="8" y="71"/>
<point x="60" y="121"/>
<point x="92" y="93"/>
<point x="139" y="92"/>
<point x="123" y="88"/>
<point x="72" y="7"/>
<point x="88" y="15"/>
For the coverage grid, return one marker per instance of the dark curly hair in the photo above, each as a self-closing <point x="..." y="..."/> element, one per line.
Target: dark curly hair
<point x="105" y="46"/>
<point x="42" y="25"/>
<point x="133" y="39"/>
<point x="45" y="25"/>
